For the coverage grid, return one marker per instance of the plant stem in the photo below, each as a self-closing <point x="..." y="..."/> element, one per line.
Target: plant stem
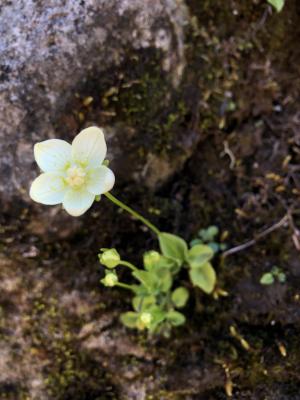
<point x="124" y="286"/>
<point x="132" y="212"/>
<point x="129" y="265"/>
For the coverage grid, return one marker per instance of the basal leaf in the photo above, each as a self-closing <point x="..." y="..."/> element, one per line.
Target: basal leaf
<point x="204" y="277"/>
<point x="175" y="318"/>
<point x="199" y="255"/>
<point x="129" y="319"/>
<point x="180" y="297"/>
<point x="173" y="246"/>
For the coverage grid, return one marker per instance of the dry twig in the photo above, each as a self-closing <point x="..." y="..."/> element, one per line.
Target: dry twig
<point x="260" y="236"/>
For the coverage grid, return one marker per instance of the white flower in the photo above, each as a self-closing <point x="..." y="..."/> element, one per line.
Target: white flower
<point x="72" y="174"/>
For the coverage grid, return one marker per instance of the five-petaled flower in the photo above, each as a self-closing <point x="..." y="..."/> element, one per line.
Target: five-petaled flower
<point x="72" y="174"/>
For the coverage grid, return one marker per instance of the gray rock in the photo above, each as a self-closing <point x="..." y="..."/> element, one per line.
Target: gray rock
<point x="68" y="64"/>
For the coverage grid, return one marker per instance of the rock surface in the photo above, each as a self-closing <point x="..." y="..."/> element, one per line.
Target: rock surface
<point x="66" y="65"/>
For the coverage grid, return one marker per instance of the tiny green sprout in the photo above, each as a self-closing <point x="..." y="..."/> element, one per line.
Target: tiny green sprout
<point x="209" y="236"/>
<point x="276" y="274"/>
<point x="209" y="233"/>
<point x="110" y="279"/>
<point x="110" y="258"/>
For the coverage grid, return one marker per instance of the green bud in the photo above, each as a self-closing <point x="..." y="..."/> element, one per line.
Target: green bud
<point x="110" y="258"/>
<point x="144" y="320"/>
<point x="110" y="279"/>
<point x="151" y="258"/>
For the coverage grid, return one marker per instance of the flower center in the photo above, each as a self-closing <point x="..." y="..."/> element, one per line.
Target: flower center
<point x="76" y="177"/>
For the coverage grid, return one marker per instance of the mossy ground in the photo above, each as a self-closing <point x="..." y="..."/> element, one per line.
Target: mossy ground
<point x="239" y="97"/>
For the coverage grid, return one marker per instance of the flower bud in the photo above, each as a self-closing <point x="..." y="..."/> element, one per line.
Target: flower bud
<point x="151" y="258"/>
<point x="110" y="258"/>
<point x="144" y="320"/>
<point x="110" y="280"/>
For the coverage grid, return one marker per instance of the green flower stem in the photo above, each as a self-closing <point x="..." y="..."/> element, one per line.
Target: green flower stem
<point x="132" y="212"/>
<point x="129" y="265"/>
<point x="124" y="286"/>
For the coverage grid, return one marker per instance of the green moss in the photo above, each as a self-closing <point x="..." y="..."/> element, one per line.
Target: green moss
<point x="69" y="373"/>
<point x="148" y="102"/>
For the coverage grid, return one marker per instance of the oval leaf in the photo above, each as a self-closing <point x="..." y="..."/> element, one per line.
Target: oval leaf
<point x="267" y="279"/>
<point x="175" y="318"/>
<point x="199" y="255"/>
<point x="204" y="277"/>
<point x="129" y="319"/>
<point x="143" y="303"/>
<point x="146" y="278"/>
<point x="164" y="279"/>
<point x="173" y="246"/>
<point x="180" y="297"/>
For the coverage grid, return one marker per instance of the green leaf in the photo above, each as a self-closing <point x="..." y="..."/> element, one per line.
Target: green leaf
<point x="195" y="241"/>
<point x="146" y="278"/>
<point x="180" y="297"/>
<point x="214" y="246"/>
<point x="281" y="277"/>
<point x="143" y="303"/>
<point x="267" y="279"/>
<point x="204" y="277"/>
<point x="173" y="246"/>
<point x="275" y="270"/>
<point x="199" y="255"/>
<point x="140" y="290"/>
<point x="170" y="263"/>
<point x="175" y="318"/>
<point x="158" y="315"/>
<point x="164" y="279"/>
<point x="277" y="4"/>
<point x="166" y="262"/>
<point x="212" y="231"/>
<point x="129" y="319"/>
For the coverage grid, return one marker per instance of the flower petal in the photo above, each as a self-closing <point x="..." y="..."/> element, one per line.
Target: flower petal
<point x="77" y="202"/>
<point x="100" y="180"/>
<point x="52" y="155"/>
<point x="89" y="147"/>
<point x="48" y="188"/>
